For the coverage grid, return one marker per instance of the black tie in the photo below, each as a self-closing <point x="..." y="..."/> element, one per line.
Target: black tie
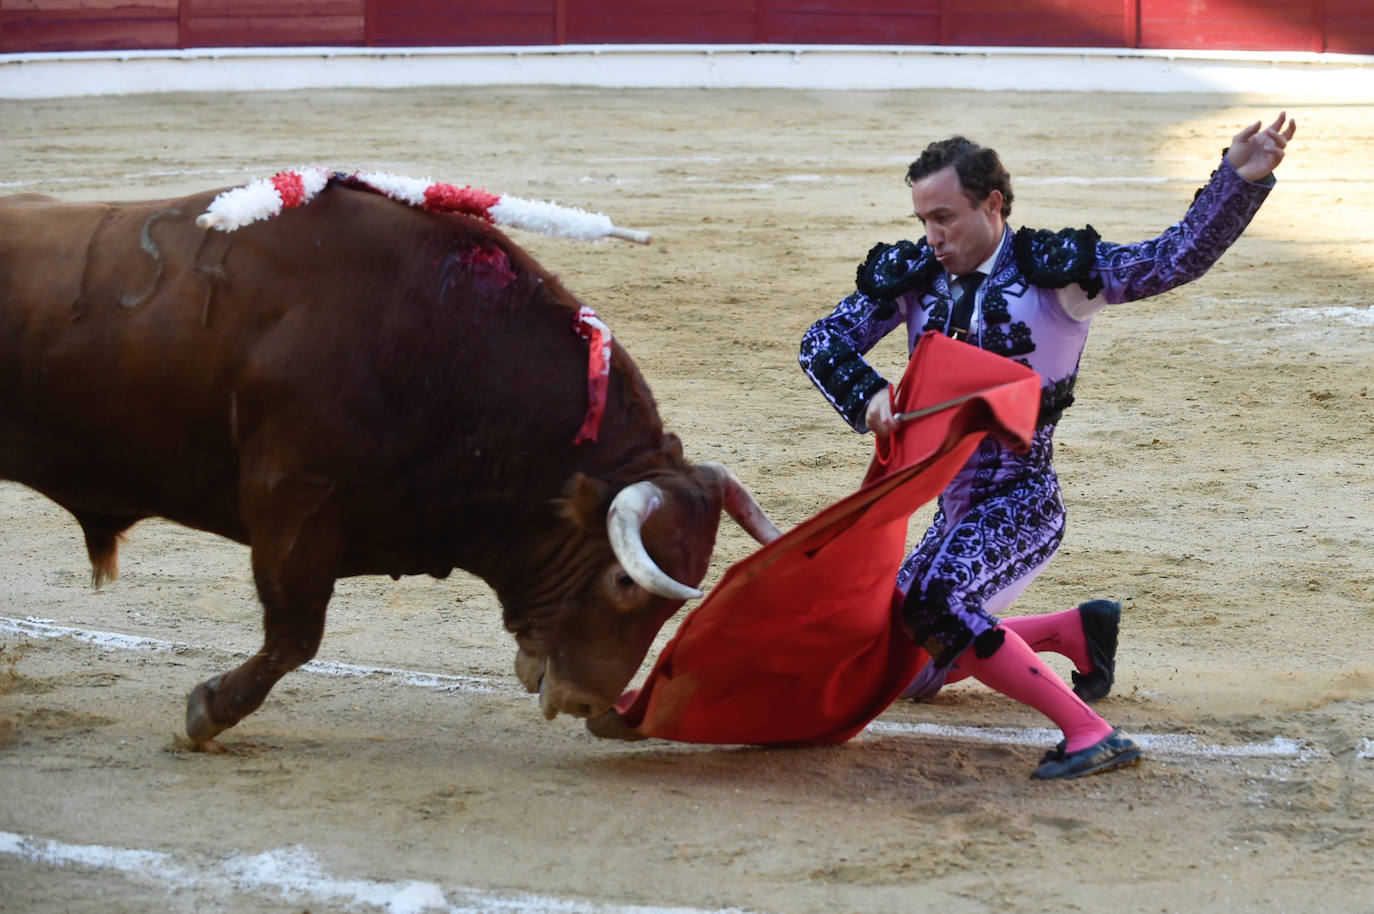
<point x="963" y="308"/>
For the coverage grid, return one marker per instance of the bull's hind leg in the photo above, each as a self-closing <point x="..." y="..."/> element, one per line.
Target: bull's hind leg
<point x="295" y="563"/>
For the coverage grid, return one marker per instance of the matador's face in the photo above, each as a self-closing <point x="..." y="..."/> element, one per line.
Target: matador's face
<point x="962" y="232"/>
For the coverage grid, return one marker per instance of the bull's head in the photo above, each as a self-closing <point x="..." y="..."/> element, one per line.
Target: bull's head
<point x="640" y="556"/>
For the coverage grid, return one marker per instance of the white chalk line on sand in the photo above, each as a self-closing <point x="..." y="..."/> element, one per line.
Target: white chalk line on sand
<point x="1172" y="744"/>
<point x="1163" y="744"/>
<point x="297" y="878"/>
<point x="47" y="628"/>
<point x="1360" y="317"/>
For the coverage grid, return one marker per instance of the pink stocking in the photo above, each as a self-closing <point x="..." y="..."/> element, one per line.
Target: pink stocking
<point x="1059" y="633"/>
<point x="1015" y="671"/>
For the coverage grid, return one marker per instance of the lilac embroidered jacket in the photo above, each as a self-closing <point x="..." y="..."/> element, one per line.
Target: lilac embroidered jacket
<point x="1035" y="306"/>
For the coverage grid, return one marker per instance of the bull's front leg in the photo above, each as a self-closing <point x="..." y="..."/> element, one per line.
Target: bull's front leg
<point x="296" y="549"/>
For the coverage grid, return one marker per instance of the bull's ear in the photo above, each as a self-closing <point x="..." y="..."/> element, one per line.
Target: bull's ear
<point x="584" y="502"/>
<point x="672" y="446"/>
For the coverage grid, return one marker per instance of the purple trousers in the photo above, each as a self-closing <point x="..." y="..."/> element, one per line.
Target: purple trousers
<point x="997" y="526"/>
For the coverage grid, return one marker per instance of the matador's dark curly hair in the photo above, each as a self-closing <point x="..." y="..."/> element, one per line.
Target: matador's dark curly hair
<point x="979" y="168"/>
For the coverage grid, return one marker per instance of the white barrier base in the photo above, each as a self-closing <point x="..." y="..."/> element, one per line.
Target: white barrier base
<point x="1295" y="75"/>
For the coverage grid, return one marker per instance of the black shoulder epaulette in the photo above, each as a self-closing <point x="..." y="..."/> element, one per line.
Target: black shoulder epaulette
<point x="895" y="269"/>
<point x="1053" y="260"/>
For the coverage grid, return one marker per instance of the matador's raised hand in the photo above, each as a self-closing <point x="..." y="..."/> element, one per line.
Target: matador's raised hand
<point x="1255" y="153"/>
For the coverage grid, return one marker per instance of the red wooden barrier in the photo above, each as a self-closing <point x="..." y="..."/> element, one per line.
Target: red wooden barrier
<point x="61" y="25"/>
<point x="1250" y="25"/>
<point x="1349" y="26"/>
<point x="408" y="23"/>
<point x="1258" y="25"/>
<point x="684" y="21"/>
<point x="237" y="23"/>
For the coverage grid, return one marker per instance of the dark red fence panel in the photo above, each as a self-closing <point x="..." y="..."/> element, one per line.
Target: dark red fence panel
<point x="404" y="23"/>
<point x="88" y="25"/>
<point x="1253" y="25"/>
<point x="1040" y="23"/>
<point x="254" y="23"/>
<point x="860" y="22"/>
<point x="672" y="22"/>
<point x="1240" y="25"/>
<point x="1349" y="26"/>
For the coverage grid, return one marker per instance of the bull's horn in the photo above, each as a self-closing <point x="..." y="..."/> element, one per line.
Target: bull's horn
<point x="740" y="505"/>
<point x="624" y="525"/>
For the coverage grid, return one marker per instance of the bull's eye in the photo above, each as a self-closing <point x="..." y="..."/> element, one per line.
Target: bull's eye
<point x="625" y="592"/>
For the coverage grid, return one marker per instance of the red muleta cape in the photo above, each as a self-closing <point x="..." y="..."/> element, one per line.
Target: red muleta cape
<point x="800" y="643"/>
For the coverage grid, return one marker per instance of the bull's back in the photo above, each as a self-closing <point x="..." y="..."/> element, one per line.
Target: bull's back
<point x="391" y="352"/>
<point x="424" y="364"/>
<point x="116" y="387"/>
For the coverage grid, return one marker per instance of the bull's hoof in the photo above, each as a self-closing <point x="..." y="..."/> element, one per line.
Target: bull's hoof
<point x="186" y="744"/>
<point x="199" y="727"/>
<point x="611" y="725"/>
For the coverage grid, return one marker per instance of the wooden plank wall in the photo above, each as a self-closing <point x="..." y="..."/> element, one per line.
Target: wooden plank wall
<point x="60" y="25"/>
<point x="410" y="23"/>
<point x="251" y="23"/>
<point x="1254" y="25"/>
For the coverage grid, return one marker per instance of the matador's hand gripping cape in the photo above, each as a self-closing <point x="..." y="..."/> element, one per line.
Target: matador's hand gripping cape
<point x="800" y="642"/>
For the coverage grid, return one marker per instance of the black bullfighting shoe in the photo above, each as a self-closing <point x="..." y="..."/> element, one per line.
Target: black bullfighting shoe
<point x="1101" y="621"/>
<point x="1115" y="750"/>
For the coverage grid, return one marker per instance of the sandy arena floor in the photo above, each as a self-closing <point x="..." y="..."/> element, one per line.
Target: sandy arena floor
<point x="1217" y="468"/>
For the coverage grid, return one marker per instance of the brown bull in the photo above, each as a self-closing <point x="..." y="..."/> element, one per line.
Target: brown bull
<point x="353" y="387"/>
